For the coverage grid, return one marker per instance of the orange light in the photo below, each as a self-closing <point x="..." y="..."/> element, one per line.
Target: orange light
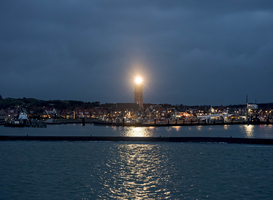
<point x="138" y="80"/>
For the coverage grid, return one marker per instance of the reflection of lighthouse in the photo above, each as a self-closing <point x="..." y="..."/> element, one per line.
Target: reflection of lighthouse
<point x="139" y="92"/>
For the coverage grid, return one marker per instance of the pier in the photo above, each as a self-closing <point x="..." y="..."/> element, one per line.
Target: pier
<point x="230" y="140"/>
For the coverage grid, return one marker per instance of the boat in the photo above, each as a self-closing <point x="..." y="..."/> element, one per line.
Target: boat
<point x="20" y="122"/>
<point x="23" y="121"/>
<point x="14" y="123"/>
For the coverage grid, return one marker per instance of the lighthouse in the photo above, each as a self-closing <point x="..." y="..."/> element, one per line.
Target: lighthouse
<point x="139" y="92"/>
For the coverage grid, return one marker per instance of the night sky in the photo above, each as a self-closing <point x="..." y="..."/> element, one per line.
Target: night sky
<point x="188" y="52"/>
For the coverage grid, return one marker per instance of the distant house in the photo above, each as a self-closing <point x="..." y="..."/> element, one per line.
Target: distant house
<point x="3" y="115"/>
<point x="47" y="112"/>
<point x="11" y="112"/>
<point x="95" y="113"/>
<point x="67" y="114"/>
<point x="193" y="111"/>
<point x="50" y="111"/>
<point x="82" y="113"/>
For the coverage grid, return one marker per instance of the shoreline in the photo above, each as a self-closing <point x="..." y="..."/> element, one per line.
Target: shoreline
<point x="160" y="124"/>
<point x="101" y="123"/>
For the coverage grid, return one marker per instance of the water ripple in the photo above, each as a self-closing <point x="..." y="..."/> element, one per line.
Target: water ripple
<point x="123" y="170"/>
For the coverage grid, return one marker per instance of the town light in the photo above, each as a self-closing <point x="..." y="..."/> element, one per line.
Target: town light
<point x="138" y="80"/>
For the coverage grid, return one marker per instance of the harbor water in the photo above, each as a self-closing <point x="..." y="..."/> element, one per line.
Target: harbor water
<point x="240" y="131"/>
<point x="136" y="170"/>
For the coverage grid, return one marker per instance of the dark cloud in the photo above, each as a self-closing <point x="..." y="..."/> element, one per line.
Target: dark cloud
<point x="190" y="52"/>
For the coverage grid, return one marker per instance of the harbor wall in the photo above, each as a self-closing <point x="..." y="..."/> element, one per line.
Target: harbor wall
<point x="140" y="139"/>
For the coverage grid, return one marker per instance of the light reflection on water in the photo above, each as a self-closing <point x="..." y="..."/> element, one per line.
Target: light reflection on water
<point x="138" y="132"/>
<point x="249" y="130"/>
<point x="123" y="170"/>
<point x="242" y="131"/>
<point x="177" y="128"/>
<point x="269" y="126"/>
<point x="226" y="127"/>
<point x="137" y="173"/>
<point x="145" y="131"/>
<point x="171" y="128"/>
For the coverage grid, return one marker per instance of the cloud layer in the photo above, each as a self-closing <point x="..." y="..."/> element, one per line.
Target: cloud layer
<point x="189" y="52"/>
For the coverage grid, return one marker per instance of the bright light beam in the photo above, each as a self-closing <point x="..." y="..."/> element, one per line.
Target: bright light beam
<point x="138" y="80"/>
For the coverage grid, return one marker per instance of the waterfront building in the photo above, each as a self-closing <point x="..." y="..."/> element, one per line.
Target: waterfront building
<point x="50" y="112"/>
<point x="11" y="112"/>
<point x="67" y="114"/>
<point x="139" y="92"/>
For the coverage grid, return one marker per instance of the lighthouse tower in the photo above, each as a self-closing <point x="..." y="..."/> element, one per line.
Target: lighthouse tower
<point x="139" y="92"/>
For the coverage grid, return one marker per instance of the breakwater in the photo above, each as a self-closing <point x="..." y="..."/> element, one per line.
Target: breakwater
<point x="140" y="139"/>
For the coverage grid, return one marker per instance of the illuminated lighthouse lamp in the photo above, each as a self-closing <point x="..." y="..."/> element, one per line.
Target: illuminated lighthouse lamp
<point x="138" y="80"/>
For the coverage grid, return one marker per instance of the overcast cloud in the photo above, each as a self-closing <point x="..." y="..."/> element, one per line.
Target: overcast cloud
<point x="189" y="52"/>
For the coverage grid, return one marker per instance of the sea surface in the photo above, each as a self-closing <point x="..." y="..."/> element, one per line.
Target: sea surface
<point x="136" y="170"/>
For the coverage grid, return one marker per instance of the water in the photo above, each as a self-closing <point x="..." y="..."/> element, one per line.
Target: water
<point x="242" y="131"/>
<point x="135" y="170"/>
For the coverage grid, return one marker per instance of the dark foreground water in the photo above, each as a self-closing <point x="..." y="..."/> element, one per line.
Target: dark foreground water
<point x="103" y="170"/>
<point x="131" y="170"/>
